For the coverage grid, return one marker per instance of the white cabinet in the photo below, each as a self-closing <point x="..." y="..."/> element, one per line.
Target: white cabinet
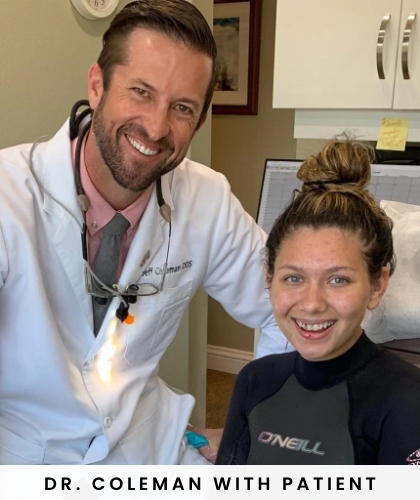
<point x="407" y="91"/>
<point x="328" y="55"/>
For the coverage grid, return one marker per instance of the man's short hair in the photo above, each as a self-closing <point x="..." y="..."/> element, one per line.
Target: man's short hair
<point x="179" y="20"/>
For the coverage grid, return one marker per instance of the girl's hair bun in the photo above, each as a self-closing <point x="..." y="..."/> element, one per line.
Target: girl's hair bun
<point x="340" y="162"/>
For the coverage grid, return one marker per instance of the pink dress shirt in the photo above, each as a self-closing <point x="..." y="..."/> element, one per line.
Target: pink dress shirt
<point x="100" y="213"/>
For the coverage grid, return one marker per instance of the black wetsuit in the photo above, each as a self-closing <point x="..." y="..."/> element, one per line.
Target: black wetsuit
<point x="360" y="408"/>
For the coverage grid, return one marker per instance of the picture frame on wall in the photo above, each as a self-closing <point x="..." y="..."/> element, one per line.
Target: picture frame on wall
<point x="237" y="31"/>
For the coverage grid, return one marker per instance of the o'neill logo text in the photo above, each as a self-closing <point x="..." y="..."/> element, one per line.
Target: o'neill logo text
<point x="291" y="443"/>
<point x="414" y="458"/>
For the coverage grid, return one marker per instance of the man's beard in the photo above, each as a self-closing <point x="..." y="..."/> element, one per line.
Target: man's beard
<point x="132" y="175"/>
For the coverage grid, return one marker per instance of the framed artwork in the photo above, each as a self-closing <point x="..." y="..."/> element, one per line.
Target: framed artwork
<point x="237" y="31"/>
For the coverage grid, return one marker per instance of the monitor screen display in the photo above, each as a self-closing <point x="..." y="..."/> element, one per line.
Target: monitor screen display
<point x="389" y="182"/>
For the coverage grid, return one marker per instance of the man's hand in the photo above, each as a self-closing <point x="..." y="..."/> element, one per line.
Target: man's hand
<point x="214" y="437"/>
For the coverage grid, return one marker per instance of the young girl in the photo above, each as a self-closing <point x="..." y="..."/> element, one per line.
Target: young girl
<point x="340" y="399"/>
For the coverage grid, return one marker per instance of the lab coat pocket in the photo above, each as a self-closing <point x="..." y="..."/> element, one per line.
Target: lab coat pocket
<point x="169" y="306"/>
<point x="15" y="450"/>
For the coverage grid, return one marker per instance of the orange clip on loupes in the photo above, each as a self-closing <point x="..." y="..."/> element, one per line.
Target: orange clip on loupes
<point x="129" y="320"/>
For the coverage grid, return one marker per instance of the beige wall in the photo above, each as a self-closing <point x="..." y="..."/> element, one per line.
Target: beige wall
<point x="46" y="49"/>
<point x="240" y="144"/>
<point x="308" y="147"/>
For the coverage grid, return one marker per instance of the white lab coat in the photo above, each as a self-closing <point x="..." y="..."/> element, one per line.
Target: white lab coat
<point x="55" y="408"/>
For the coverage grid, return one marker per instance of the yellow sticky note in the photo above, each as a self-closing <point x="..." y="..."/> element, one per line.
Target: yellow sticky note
<point x="393" y="134"/>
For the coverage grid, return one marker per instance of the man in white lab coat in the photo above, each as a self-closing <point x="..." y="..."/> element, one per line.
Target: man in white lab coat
<point x="73" y="391"/>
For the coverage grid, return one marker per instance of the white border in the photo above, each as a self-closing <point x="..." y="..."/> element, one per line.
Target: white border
<point x="268" y="482"/>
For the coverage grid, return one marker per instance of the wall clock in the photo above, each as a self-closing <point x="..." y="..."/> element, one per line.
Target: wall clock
<point x="95" y="9"/>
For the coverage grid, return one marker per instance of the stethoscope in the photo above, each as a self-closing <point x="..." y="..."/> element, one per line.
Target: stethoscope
<point x="80" y="123"/>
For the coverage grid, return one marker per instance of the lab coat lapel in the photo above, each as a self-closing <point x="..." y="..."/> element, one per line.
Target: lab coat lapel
<point x="149" y="237"/>
<point x="53" y="161"/>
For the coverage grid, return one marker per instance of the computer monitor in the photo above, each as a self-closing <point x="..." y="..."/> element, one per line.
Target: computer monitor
<point x="396" y="182"/>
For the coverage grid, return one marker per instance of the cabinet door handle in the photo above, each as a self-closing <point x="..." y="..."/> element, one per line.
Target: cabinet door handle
<point x="380" y="46"/>
<point x="406" y="45"/>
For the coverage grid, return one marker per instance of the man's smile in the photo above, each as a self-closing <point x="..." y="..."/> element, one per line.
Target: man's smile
<point x="139" y="146"/>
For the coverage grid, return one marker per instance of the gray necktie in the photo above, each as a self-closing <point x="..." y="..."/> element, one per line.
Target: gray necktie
<point x="107" y="263"/>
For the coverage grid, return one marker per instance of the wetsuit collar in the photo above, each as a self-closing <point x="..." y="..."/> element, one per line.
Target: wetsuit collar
<point x="316" y="375"/>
